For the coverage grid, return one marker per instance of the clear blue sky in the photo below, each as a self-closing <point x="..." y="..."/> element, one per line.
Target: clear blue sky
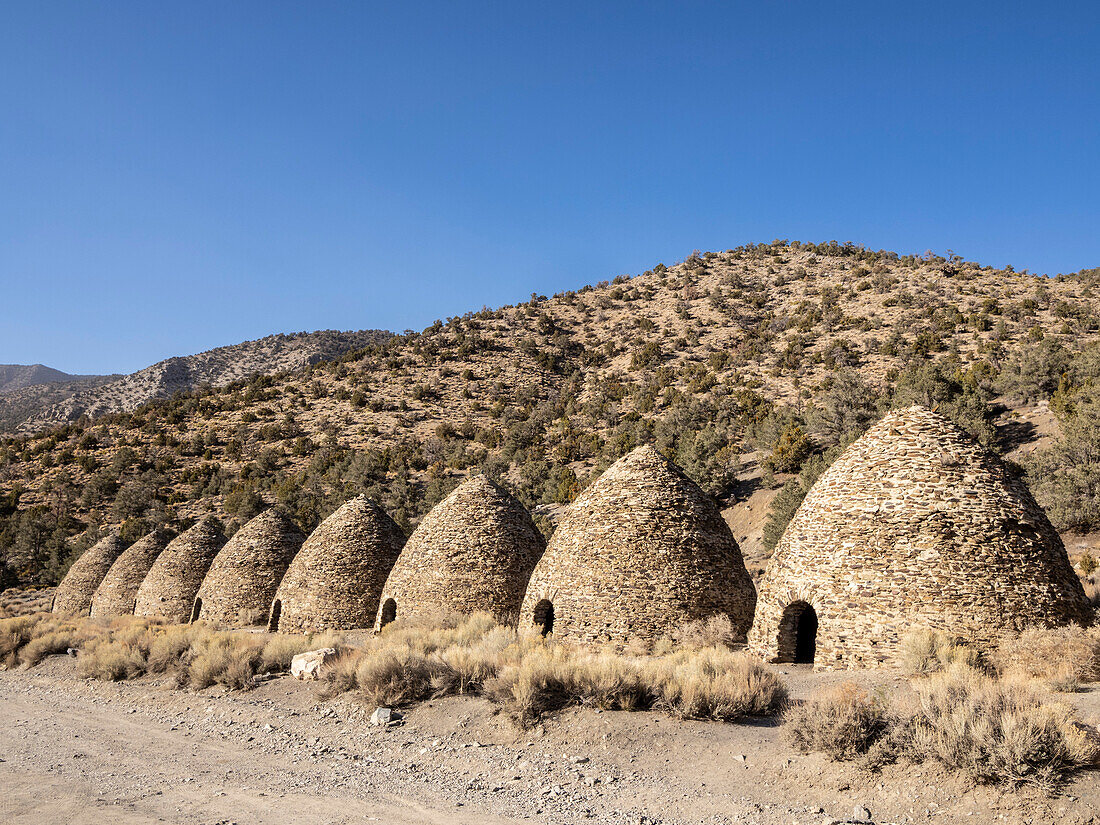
<point x="178" y="176"/>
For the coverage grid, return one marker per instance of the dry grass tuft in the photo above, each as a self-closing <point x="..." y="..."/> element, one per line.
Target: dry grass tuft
<point x="925" y="651"/>
<point x="990" y="730"/>
<point x="1063" y="657"/>
<point x="531" y="676"/>
<point x="998" y="731"/>
<point x="280" y="649"/>
<point x="844" y="724"/>
<point x="128" y="647"/>
<point x="717" y="684"/>
<point x="716" y="631"/>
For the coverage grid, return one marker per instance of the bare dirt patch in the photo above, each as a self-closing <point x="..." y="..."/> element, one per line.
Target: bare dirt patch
<point x="78" y="751"/>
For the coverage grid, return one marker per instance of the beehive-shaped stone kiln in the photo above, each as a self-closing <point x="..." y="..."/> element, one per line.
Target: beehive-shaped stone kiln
<point x="915" y="525"/>
<point x="640" y="553"/>
<point x="117" y="593"/>
<point x="246" y="572"/>
<point x="474" y="551"/>
<point x="335" y="582"/>
<point x="173" y="582"/>
<point x="74" y="594"/>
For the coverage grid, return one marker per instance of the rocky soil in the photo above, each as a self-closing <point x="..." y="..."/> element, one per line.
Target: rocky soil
<point x="77" y="751"/>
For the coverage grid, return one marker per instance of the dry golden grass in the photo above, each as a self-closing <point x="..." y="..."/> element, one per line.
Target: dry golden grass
<point x="716" y="683"/>
<point x="925" y="651"/>
<point x="531" y="676"/>
<point x="1062" y="657"/>
<point x="990" y="730"/>
<point x="197" y="655"/>
<point x="716" y="631"/>
<point x="845" y="723"/>
<point x="998" y="731"/>
<point x="14" y="634"/>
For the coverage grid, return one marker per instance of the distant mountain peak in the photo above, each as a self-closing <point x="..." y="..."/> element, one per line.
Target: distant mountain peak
<point x="36" y="397"/>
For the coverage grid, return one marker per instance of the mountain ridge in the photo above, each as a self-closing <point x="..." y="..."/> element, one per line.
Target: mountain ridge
<point x="46" y="404"/>
<point x="20" y="376"/>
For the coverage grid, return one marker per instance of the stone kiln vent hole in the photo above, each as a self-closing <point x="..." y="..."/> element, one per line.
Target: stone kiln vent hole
<point x="798" y="634"/>
<point x="544" y="616"/>
<point x="276" y="612"/>
<point x="196" y="610"/>
<point x="389" y="612"/>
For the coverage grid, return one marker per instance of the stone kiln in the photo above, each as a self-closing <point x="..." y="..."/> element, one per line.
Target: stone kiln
<point x="641" y="552"/>
<point x="74" y="594"/>
<point x="914" y="525"/>
<point x="173" y="581"/>
<point x="335" y="581"/>
<point x="474" y="551"/>
<point x="117" y="594"/>
<point x="246" y="572"/>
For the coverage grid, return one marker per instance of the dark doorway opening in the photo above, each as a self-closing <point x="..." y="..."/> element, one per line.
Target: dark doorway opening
<point x="276" y="612"/>
<point x="389" y="613"/>
<point x="805" y="641"/>
<point x="798" y="634"/>
<point x="544" y="616"/>
<point x="196" y="609"/>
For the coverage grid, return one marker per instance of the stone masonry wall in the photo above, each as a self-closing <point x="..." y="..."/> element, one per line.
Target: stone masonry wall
<point x="74" y="594"/>
<point x="336" y="580"/>
<point x="915" y="525"/>
<point x="641" y="552"/>
<point x="173" y="581"/>
<point x="117" y="593"/>
<point x="246" y="572"/>
<point x="474" y="551"/>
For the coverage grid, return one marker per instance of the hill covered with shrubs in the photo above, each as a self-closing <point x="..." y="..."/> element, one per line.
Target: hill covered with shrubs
<point x="751" y="368"/>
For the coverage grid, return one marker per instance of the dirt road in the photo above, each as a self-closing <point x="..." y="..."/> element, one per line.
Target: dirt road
<point x="80" y="752"/>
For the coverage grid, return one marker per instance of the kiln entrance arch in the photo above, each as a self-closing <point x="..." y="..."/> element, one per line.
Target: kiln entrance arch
<point x="544" y="616"/>
<point x="276" y="612"/>
<point x="389" y="613"/>
<point x="797" y="641"/>
<point x="196" y="609"/>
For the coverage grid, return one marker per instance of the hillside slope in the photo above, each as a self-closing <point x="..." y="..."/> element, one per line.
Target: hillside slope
<point x="745" y="367"/>
<point x="18" y="376"/>
<point x="215" y="368"/>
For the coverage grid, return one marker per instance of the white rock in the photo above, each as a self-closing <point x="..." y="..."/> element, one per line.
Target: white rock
<point x="384" y="716"/>
<point x="307" y="666"/>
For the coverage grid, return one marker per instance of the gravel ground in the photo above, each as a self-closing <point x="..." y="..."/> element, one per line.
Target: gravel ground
<point x="78" y="751"/>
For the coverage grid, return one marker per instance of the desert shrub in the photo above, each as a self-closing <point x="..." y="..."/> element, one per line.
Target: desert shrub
<point x="14" y="633"/>
<point x="396" y="677"/>
<point x="714" y="631"/>
<point x="845" y="723"/>
<point x="536" y="685"/>
<point x="55" y="638"/>
<point x="111" y="660"/>
<point x="708" y="684"/>
<point x="230" y="659"/>
<point x="996" y="731"/>
<point x="280" y="649"/>
<point x="1064" y="657"/>
<point x="925" y="651"/>
<point x="718" y="684"/>
<point x="789" y="450"/>
<point x="168" y="647"/>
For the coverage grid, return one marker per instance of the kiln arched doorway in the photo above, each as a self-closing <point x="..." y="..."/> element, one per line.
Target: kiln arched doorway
<point x="388" y="614"/>
<point x="798" y="634"/>
<point x="544" y="616"/>
<point x="196" y="609"/>
<point x="276" y="613"/>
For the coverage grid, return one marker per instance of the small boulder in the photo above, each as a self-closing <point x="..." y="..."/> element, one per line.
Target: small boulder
<point x="385" y="716"/>
<point x="307" y="666"/>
